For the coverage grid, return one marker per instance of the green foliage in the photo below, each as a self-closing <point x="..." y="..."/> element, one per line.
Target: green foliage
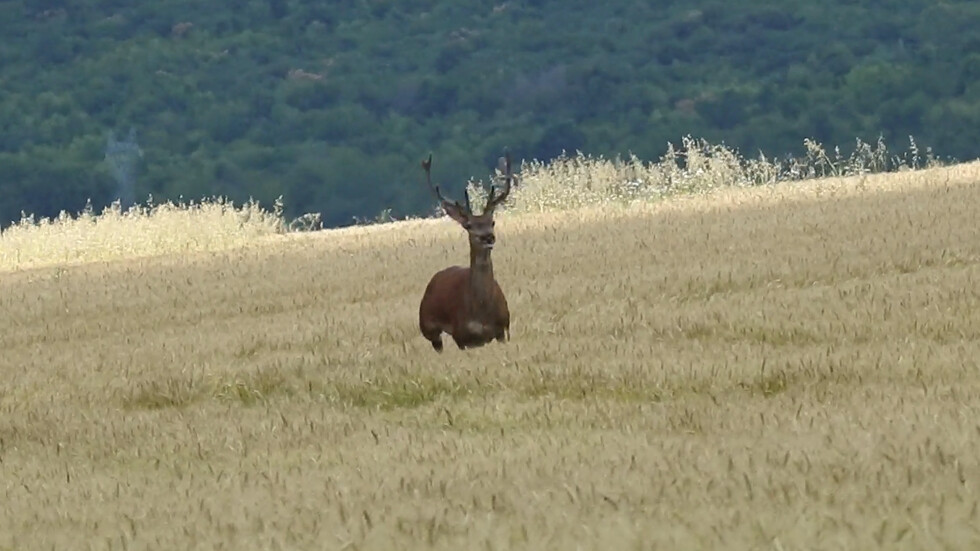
<point x="332" y="105"/>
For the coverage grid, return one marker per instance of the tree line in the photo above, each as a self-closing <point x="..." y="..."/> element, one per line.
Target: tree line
<point x="333" y="104"/>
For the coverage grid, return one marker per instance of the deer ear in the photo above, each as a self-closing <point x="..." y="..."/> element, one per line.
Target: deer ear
<point x="456" y="213"/>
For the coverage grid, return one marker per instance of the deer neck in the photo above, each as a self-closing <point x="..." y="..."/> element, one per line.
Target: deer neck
<point x="481" y="275"/>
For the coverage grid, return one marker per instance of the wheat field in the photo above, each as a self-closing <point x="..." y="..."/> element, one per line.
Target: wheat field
<point x="777" y="367"/>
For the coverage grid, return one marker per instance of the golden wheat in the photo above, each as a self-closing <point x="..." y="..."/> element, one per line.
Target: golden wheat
<point x="784" y="367"/>
<point x="140" y="231"/>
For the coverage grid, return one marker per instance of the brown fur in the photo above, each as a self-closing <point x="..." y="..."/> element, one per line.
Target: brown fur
<point x="467" y="302"/>
<point x="449" y="305"/>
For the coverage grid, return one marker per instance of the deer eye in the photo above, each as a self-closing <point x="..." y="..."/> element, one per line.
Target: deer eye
<point x="493" y="224"/>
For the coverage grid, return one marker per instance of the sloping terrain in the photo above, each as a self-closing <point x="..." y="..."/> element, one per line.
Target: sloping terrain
<point x="786" y="367"/>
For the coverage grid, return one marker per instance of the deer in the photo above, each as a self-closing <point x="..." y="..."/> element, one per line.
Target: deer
<point x="466" y="301"/>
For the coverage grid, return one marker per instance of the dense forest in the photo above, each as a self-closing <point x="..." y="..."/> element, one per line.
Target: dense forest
<point x="332" y="104"/>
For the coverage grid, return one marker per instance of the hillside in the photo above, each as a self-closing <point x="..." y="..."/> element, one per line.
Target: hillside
<point x="787" y="366"/>
<point x="331" y="105"/>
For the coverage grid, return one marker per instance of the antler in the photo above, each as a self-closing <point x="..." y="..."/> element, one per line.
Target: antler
<point x="503" y="165"/>
<point x="427" y="166"/>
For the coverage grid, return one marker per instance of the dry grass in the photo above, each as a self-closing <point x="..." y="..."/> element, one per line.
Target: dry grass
<point x="140" y="231"/>
<point x="694" y="167"/>
<point x="784" y="367"/>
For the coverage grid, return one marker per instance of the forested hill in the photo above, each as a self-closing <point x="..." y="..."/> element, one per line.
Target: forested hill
<point x="333" y="103"/>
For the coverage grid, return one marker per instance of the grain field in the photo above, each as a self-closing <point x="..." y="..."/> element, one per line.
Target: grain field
<point x="782" y="367"/>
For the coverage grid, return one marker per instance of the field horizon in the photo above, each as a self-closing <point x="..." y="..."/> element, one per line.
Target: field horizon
<point x="789" y="366"/>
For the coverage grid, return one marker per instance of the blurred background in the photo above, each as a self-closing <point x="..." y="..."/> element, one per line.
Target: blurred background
<point x="331" y="105"/>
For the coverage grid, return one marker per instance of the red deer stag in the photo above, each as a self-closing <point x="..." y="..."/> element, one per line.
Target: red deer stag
<point x="467" y="302"/>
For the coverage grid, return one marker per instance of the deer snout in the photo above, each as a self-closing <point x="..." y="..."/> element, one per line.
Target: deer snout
<point x="488" y="240"/>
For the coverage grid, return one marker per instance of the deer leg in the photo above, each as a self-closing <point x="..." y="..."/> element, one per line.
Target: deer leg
<point x="465" y="341"/>
<point x="433" y="335"/>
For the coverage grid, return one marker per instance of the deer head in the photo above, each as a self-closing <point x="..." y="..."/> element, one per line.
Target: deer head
<point x="478" y="226"/>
